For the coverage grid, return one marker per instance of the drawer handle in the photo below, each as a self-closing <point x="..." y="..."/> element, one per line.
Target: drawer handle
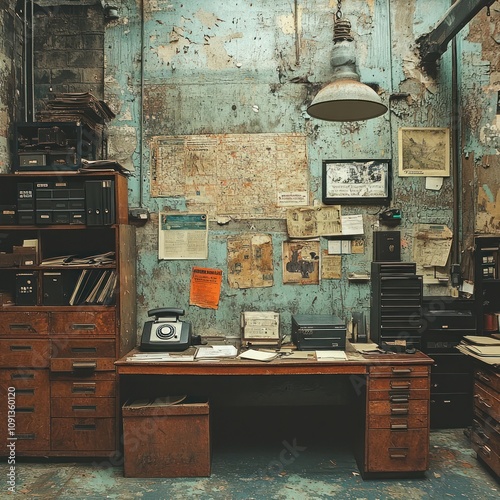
<point x="83" y="326"/>
<point x="84" y="427"/>
<point x="401" y="371"/>
<point x="27" y="409"/>
<point x="26" y="436"/>
<point x="84" y="407"/>
<point x="398" y="455"/>
<point x="22" y="326"/>
<point x="483" y="377"/>
<point x="400" y="385"/>
<point x="400" y="427"/>
<point x="30" y="392"/>
<point x="485" y="450"/>
<point x="23" y="376"/>
<point x="84" y="349"/>
<point x="85" y="388"/>
<point x="482" y="401"/>
<point x="399" y="398"/>
<point x="21" y="347"/>
<point x="399" y="411"/>
<point x="84" y="365"/>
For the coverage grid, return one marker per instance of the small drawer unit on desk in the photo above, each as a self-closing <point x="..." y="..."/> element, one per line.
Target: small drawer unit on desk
<point x="397" y="432"/>
<point x="486" y="420"/>
<point x="28" y="396"/>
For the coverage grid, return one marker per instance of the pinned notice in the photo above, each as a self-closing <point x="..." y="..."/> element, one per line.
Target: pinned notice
<point x="205" y="287"/>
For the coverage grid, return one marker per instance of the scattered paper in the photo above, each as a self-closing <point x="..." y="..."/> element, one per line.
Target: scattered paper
<point x="216" y="351"/>
<point x="156" y="357"/>
<point x="258" y="355"/>
<point x="330" y="355"/>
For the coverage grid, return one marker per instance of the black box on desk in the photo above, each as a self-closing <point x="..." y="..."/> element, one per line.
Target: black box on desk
<point x="318" y="332"/>
<point x="166" y="440"/>
<point x="26" y="288"/>
<point x="386" y="246"/>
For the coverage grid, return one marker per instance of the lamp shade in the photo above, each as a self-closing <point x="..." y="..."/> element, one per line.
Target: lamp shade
<point x="346" y="100"/>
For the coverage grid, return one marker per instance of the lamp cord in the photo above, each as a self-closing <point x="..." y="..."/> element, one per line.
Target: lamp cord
<point x="339" y="14"/>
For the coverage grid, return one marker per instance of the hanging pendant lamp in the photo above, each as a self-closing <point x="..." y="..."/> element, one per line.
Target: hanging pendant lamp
<point x="345" y="98"/>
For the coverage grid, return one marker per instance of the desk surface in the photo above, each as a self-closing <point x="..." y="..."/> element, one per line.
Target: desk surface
<point x="356" y="364"/>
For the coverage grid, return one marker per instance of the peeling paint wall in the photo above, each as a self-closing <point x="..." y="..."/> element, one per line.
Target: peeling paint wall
<point x="246" y="67"/>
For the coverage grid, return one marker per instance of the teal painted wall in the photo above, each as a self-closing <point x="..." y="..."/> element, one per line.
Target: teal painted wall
<point x="201" y="67"/>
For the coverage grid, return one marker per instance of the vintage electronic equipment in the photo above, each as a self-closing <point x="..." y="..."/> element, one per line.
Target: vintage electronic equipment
<point x="260" y="328"/>
<point x="166" y="332"/>
<point x="26" y="288"/>
<point x="8" y="214"/>
<point x="318" y="332"/>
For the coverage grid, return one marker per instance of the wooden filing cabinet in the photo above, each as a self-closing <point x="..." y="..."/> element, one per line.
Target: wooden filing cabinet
<point x="397" y="420"/>
<point x="60" y="358"/>
<point x="486" y="419"/>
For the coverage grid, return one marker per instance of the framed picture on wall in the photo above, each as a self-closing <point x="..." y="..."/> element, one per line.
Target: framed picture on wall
<point x="356" y="181"/>
<point x="424" y="152"/>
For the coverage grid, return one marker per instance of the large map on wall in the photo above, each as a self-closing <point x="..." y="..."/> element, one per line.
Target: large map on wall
<point x="243" y="175"/>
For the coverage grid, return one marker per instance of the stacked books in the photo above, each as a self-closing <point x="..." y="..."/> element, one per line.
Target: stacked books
<point x="94" y="287"/>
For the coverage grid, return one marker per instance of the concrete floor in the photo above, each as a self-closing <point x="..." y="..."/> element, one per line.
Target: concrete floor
<point x="254" y="470"/>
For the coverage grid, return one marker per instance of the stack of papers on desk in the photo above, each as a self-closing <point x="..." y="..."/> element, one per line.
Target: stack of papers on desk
<point x="330" y="355"/>
<point x="259" y="355"/>
<point x="216" y="352"/>
<point x="156" y="357"/>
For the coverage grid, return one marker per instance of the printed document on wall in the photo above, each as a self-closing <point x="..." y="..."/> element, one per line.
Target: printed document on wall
<point x="182" y="235"/>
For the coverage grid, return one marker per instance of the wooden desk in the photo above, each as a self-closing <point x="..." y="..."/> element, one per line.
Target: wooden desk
<point x="393" y="399"/>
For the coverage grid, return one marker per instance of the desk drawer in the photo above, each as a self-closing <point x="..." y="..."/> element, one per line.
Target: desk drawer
<point x="488" y="378"/>
<point x="417" y="406"/>
<point x="82" y="366"/>
<point x="83" y="407"/>
<point x="32" y="430"/>
<point x="23" y="323"/>
<point x="83" y="434"/>
<point x="398" y="451"/>
<point x="83" y="387"/>
<point x="398" y="396"/>
<point x="85" y="322"/>
<point x="393" y="384"/>
<point x="27" y="353"/>
<point x="399" y="371"/>
<point x="411" y="421"/>
<point x="486" y="443"/>
<point x="486" y="401"/>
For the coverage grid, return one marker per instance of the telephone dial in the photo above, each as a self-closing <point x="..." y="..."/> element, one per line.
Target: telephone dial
<point x="166" y="332"/>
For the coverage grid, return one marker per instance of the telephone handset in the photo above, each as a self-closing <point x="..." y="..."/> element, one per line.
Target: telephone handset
<point x="166" y="332"/>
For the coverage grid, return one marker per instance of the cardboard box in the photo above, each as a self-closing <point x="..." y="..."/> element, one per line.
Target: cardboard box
<point x="166" y="440"/>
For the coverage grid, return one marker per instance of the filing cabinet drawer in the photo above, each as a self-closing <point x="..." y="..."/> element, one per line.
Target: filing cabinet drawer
<point x="395" y="384"/>
<point x="486" y="443"/>
<point x="486" y="401"/>
<point x="83" y="407"/>
<point x="83" y="434"/>
<point x="489" y="378"/>
<point x="84" y="322"/>
<point x="399" y="371"/>
<point x="397" y="451"/>
<point x="82" y="366"/>
<point x="27" y="353"/>
<point x="23" y="323"/>
<point x="416" y="406"/>
<point x="83" y="387"/>
<point x="31" y="401"/>
<point x="83" y="348"/>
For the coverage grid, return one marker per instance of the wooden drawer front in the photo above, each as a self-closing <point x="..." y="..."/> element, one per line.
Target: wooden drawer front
<point x="82" y="366"/>
<point x="27" y="353"/>
<point x="398" y="396"/>
<point x="485" y="433"/>
<point x="485" y="442"/>
<point x="31" y="386"/>
<point x="83" y="407"/>
<point x="32" y="430"/>
<point x="85" y="322"/>
<point x="72" y="389"/>
<point x="24" y="323"/>
<point x="417" y="406"/>
<point x="83" y="434"/>
<point x="82" y="376"/>
<point x="489" y="378"/>
<point x="415" y="421"/>
<point x="397" y="451"/>
<point x="395" y="384"/>
<point x="486" y="401"/>
<point x="399" y="371"/>
<point x="83" y="348"/>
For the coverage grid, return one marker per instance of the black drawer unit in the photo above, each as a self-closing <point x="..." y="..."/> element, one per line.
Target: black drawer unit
<point x="446" y="322"/>
<point x="395" y="303"/>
